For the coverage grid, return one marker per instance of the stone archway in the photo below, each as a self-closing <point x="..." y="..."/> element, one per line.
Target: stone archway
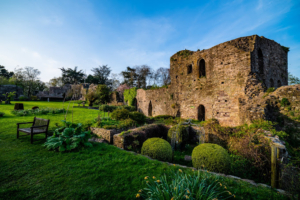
<point x="202" y="72"/>
<point x="150" y="110"/>
<point x="271" y="82"/>
<point x="201" y="113"/>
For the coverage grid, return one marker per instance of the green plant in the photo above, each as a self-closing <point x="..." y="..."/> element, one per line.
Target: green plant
<point x="126" y="123"/>
<point x="180" y="134"/>
<point x="33" y="98"/>
<point x="69" y="137"/>
<point x="157" y="148"/>
<point x="180" y="185"/>
<point x="120" y="114"/>
<point x="22" y="98"/>
<point x="35" y="107"/>
<point x="158" y="117"/>
<point x="137" y="116"/>
<point x="173" y="106"/>
<point x="269" y="90"/>
<point x="212" y="157"/>
<point x="10" y="95"/>
<point x="129" y="108"/>
<point x="107" y="108"/>
<point x="285" y="49"/>
<point x="284" y="102"/>
<point x="41" y="111"/>
<point x="129" y="95"/>
<point x="184" y="53"/>
<point x="2" y="114"/>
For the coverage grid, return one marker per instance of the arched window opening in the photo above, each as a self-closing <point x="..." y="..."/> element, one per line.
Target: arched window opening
<point x="260" y="61"/>
<point x="279" y="83"/>
<point x="271" y="83"/>
<point x="202" y="68"/>
<point x="178" y="113"/>
<point x="150" y="109"/>
<point x="135" y="103"/>
<point x="201" y="113"/>
<point x="189" y="69"/>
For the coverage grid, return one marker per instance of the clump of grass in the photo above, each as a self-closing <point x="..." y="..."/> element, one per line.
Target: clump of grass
<point x="284" y="102"/>
<point x="180" y="185"/>
<point x="269" y="90"/>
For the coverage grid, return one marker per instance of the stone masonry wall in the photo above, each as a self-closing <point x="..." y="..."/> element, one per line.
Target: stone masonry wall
<point x="220" y="91"/>
<point x="10" y="88"/>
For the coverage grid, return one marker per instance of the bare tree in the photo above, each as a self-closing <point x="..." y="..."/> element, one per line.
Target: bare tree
<point x="163" y="75"/>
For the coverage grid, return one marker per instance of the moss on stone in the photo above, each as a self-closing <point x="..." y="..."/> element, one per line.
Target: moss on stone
<point x="212" y="157"/>
<point x="182" y="135"/>
<point x="157" y="148"/>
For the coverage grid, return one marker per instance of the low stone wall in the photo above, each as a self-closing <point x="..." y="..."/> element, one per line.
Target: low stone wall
<point x="10" y="88"/>
<point x="141" y="134"/>
<point x="106" y="134"/>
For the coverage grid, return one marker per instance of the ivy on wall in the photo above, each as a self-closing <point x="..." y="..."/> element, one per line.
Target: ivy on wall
<point x="129" y="95"/>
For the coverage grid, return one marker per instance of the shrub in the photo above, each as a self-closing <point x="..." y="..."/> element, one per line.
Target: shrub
<point x="107" y="108"/>
<point x="129" y="108"/>
<point x="181" y="135"/>
<point x="157" y="148"/>
<point x="158" y="117"/>
<point x="69" y="137"/>
<point x="120" y="114"/>
<point x="284" y="102"/>
<point x="129" y="95"/>
<point x="126" y="123"/>
<point x="1" y="114"/>
<point x="212" y="157"/>
<point x="137" y="116"/>
<point x="34" y="98"/>
<point x="22" y="98"/>
<point x="41" y="111"/>
<point x="184" y="186"/>
<point x="35" y="107"/>
<point x="109" y="126"/>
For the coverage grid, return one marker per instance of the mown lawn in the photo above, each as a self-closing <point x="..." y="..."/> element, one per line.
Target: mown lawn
<point x="29" y="171"/>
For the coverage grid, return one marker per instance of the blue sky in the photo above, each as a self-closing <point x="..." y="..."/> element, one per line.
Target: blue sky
<point x="52" y="34"/>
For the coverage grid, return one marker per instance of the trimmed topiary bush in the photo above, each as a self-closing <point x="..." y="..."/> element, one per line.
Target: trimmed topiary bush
<point x="212" y="157"/>
<point x="35" y="107"/>
<point x="157" y="148"/>
<point x="107" y="108"/>
<point x="182" y="135"/>
<point x="120" y="114"/>
<point x="137" y="116"/>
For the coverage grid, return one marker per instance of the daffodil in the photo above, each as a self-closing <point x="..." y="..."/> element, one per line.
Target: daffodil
<point x="153" y="177"/>
<point x="229" y="192"/>
<point x="186" y="196"/>
<point x="147" y="181"/>
<point x="158" y="181"/>
<point x="220" y="184"/>
<point x="188" y="191"/>
<point x="225" y="187"/>
<point x="175" y="188"/>
<point x="140" y="191"/>
<point x="138" y="196"/>
<point x="146" y="177"/>
<point x="172" y="198"/>
<point x="180" y="170"/>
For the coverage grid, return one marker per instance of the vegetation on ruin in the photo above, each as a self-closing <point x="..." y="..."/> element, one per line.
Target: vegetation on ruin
<point x="184" y="53"/>
<point x="212" y="157"/>
<point x="157" y="148"/>
<point x="32" y="172"/>
<point x="285" y="49"/>
<point x="129" y="95"/>
<point x="180" y="134"/>
<point x="268" y="91"/>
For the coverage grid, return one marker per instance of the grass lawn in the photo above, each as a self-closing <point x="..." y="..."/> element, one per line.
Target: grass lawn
<point x="29" y="171"/>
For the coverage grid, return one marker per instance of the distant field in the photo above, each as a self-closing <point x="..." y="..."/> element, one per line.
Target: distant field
<point x="29" y="171"/>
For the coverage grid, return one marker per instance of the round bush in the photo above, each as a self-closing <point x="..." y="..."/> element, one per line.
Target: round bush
<point x="212" y="157"/>
<point x="157" y="148"/>
<point x="107" y="108"/>
<point x="120" y="114"/>
<point x="182" y="136"/>
<point x="137" y="116"/>
<point x="35" y="107"/>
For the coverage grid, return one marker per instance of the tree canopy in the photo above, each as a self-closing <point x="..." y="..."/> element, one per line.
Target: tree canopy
<point x="72" y="76"/>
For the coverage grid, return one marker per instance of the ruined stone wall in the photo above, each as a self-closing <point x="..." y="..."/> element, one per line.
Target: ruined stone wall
<point x="215" y="83"/>
<point x="10" y="88"/>
<point x="271" y="64"/>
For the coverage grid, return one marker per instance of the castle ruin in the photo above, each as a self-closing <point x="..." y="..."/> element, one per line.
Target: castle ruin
<point x="219" y="82"/>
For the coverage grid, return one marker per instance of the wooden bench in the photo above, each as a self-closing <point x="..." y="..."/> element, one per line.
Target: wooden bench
<point x="39" y="126"/>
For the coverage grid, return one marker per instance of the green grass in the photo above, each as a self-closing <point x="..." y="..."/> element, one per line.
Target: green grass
<point x="29" y="171"/>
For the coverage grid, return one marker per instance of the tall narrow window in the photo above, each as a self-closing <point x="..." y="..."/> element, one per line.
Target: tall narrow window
<point x="271" y="83"/>
<point x="150" y="109"/>
<point x="278" y="83"/>
<point x="201" y="113"/>
<point x="202" y="68"/>
<point x="189" y="69"/>
<point x="260" y="61"/>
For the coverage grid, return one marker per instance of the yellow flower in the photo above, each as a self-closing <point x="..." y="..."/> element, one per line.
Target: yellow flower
<point x="137" y="195"/>
<point x="180" y="170"/>
<point x="174" y="164"/>
<point x="147" y="181"/>
<point x="140" y="191"/>
<point x="233" y="196"/>
<point x="193" y="170"/>
<point x="225" y="187"/>
<point x="158" y="181"/>
<point x="175" y="188"/>
<point x="188" y="191"/>
<point x="146" y="177"/>
<point x="229" y="192"/>
<point x="220" y="184"/>
<point x="153" y="177"/>
<point x="172" y="198"/>
<point x="186" y="196"/>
